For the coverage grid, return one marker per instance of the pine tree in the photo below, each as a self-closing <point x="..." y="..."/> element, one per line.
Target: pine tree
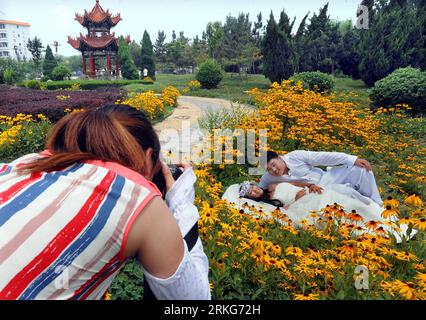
<point x="349" y="57"/>
<point x="278" y="50"/>
<point x="49" y="63"/>
<point x="35" y="47"/>
<point x="135" y="52"/>
<point x="147" y="58"/>
<point x="299" y="43"/>
<point x="318" y="49"/>
<point x="394" y="39"/>
<point x="160" y="47"/>
<point x="127" y="65"/>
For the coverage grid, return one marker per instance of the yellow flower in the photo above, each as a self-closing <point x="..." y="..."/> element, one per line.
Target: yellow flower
<point x="421" y="278"/>
<point x="310" y="296"/>
<point x="419" y="223"/>
<point x="294" y="251"/>
<point x="406" y="290"/>
<point x="389" y="212"/>
<point x="414" y="200"/>
<point x="391" y="202"/>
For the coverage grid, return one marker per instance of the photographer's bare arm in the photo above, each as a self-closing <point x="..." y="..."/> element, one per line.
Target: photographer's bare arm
<point x="172" y="271"/>
<point x="156" y="240"/>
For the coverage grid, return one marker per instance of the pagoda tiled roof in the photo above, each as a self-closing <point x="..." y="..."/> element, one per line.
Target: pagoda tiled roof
<point x="95" y="42"/>
<point x="97" y="15"/>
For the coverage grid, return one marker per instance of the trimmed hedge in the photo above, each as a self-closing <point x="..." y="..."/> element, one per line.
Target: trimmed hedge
<point x="403" y="86"/>
<point x="315" y="81"/>
<point x="209" y="74"/>
<point x="90" y="84"/>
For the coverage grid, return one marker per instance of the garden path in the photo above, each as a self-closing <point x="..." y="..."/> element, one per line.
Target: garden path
<point x="180" y="132"/>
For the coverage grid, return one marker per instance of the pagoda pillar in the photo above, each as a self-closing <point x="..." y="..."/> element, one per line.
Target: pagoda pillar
<point x="92" y="66"/>
<point x="84" y="66"/>
<point x="109" y="63"/>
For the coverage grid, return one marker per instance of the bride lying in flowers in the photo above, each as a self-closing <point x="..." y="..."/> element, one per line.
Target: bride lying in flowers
<point x="298" y="203"/>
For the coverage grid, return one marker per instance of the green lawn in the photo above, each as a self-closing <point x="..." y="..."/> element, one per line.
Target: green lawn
<point x="358" y="87"/>
<point x="232" y="86"/>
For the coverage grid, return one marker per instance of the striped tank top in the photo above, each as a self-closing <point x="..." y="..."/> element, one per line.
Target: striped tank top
<point x="63" y="233"/>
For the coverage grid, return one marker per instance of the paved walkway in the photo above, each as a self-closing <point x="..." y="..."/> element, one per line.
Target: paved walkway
<point x="180" y="132"/>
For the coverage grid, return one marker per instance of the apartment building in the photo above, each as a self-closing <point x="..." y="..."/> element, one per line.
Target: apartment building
<point x="13" y="39"/>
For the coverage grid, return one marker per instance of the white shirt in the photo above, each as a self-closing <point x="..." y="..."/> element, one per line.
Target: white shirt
<point x="190" y="281"/>
<point x="302" y="166"/>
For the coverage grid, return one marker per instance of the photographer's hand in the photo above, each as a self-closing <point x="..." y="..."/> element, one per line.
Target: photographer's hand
<point x="184" y="166"/>
<point x="168" y="177"/>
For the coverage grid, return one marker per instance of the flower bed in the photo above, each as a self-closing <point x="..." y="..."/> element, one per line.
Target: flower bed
<point x="52" y="103"/>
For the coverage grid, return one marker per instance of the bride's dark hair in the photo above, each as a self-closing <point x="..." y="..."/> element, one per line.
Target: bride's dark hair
<point x="266" y="198"/>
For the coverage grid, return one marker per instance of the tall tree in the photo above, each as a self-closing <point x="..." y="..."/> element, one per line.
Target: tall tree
<point x="160" y="47"/>
<point x="349" y="57"/>
<point x="299" y="43"/>
<point x="135" y="52"/>
<point x="147" y="56"/>
<point x="49" y="63"/>
<point x="214" y="36"/>
<point x="391" y="41"/>
<point x="237" y="49"/>
<point x="128" y="67"/>
<point x="318" y="43"/>
<point x="199" y="50"/>
<point x="278" y="50"/>
<point x="258" y="33"/>
<point x="35" y="47"/>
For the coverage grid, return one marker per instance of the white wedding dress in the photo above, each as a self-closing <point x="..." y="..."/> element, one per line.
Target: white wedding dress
<point x="342" y="194"/>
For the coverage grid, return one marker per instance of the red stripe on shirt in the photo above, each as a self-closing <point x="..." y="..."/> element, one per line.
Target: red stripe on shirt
<point x="61" y="241"/>
<point x="96" y="276"/>
<point x="17" y="187"/>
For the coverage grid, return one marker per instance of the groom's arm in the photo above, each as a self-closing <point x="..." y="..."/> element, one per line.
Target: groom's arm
<point x="315" y="158"/>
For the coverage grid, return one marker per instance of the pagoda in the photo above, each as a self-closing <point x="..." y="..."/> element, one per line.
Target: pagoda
<point x="99" y="43"/>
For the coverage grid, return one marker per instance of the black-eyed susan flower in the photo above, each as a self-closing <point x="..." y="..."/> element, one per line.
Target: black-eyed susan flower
<point x="391" y="202"/>
<point x="311" y="296"/>
<point x="414" y="200"/>
<point x="372" y="225"/>
<point x="419" y="223"/>
<point x="380" y="231"/>
<point x="354" y="216"/>
<point x="389" y="212"/>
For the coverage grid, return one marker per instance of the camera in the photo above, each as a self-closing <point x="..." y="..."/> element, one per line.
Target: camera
<point x="160" y="182"/>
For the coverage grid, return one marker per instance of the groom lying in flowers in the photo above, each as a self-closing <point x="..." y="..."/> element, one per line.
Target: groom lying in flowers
<point x="301" y="169"/>
<point x="309" y="194"/>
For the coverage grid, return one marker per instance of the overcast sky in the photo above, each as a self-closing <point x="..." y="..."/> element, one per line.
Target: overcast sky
<point x="53" y="20"/>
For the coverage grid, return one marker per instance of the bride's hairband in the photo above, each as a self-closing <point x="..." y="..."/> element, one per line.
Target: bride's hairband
<point x="244" y="189"/>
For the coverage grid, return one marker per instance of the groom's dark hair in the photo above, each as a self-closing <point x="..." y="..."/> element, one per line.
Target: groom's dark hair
<point x="271" y="155"/>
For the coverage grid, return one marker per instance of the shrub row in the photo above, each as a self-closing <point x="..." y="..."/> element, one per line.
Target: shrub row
<point x="87" y="84"/>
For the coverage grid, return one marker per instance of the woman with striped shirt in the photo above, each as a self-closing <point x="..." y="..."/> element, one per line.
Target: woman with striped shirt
<point x="72" y="215"/>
